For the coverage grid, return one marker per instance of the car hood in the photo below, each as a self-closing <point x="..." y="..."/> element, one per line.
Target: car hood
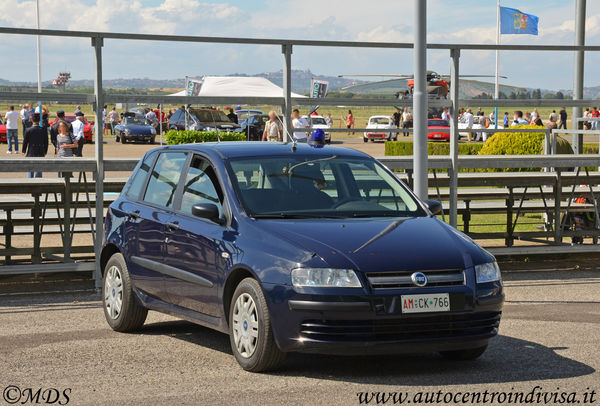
<point x="421" y="243"/>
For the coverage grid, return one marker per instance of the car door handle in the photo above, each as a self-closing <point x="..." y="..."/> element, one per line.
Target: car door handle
<point x="134" y="214"/>
<point x="173" y="226"/>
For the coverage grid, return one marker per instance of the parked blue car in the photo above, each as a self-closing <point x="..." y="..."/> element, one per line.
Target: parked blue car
<point x="290" y="248"/>
<point x="134" y="127"/>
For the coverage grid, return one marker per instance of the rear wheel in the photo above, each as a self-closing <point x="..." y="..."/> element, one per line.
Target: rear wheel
<point x="121" y="310"/>
<point x="250" y="332"/>
<point x="152" y="140"/>
<point x="464" y="355"/>
<point x="365" y="140"/>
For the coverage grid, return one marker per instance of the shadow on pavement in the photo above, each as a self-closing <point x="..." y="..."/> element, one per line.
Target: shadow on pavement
<point x="507" y="359"/>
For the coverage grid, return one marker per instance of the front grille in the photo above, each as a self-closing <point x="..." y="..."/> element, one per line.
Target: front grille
<point x="407" y="328"/>
<point x="402" y="279"/>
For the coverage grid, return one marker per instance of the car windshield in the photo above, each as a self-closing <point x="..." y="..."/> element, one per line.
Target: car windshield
<point x="379" y="120"/>
<point x="438" y="123"/>
<point x="209" y="116"/>
<point x="318" y="121"/>
<point x="309" y="187"/>
<point x="134" y="120"/>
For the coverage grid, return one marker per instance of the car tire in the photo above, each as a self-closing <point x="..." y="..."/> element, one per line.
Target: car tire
<point x="365" y="140"/>
<point x="152" y="140"/>
<point x="122" y="311"/>
<point x="250" y="332"/>
<point x="468" y="354"/>
<point x="123" y="140"/>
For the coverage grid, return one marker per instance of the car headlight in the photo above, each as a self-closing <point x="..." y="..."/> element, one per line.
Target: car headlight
<point x="153" y="131"/>
<point x="325" y="278"/>
<point x="489" y="272"/>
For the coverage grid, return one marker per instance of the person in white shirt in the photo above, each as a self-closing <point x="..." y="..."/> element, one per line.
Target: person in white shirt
<point x="78" y="133"/>
<point x="445" y="115"/>
<point x="12" y="118"/>
<point x="151" y="116"/>
<point x="329" y="120"/>
<point x="299" y="122"/>
<point x="518" y="119"/>
<point x="468" y="118"/>
<point x="492" y="117"/>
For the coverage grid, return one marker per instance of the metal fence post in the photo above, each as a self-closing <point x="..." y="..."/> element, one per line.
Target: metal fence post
<point x="97" y="43"/>
<point x="454" y="84"/>
<point x="579" y="64"/>
<point x="286" y="49"/>
<point x="420" y="100"/>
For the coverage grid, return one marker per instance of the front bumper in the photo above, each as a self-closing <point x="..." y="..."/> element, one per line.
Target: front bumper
<point x="374" y="323"/>
<point x="138" y="137"/>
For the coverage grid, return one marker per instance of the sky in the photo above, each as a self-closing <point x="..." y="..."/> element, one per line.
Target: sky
<point x="449" y="21"/>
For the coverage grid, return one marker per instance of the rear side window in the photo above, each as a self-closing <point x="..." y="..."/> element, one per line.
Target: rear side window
<point x="139" y="177"/>
<point x="164" y="178"/>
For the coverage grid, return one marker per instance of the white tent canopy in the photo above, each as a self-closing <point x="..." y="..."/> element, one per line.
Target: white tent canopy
<point x="238" y="86"/>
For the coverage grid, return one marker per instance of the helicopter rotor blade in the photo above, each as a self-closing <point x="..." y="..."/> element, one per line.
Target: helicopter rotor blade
<point x="375" y="75"/>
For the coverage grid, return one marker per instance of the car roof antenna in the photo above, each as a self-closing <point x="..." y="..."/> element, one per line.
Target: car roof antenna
<point x="294" y="141"/>
<point x="215" y="124"/>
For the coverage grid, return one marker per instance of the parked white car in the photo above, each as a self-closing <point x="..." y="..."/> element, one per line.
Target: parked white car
<point x="479" y="122"/>
<point x="319" y="122"/>
<point x="376" y="127"/>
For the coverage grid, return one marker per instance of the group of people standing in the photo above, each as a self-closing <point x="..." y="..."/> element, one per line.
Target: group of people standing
<point x="67" y="138"/>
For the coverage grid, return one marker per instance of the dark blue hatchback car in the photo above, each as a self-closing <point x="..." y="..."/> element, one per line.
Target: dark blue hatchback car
<point x="292" y="248"/>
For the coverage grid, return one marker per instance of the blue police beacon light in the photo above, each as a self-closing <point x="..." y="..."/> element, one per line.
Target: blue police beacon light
<point x="317" y="138"/>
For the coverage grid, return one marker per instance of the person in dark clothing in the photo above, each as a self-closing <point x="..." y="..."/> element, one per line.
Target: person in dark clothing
<point x="563" y="118"/>
<point x="35" y="142"/>
<point x="397" y="118"/>
<point x="60" y="116"/>
<point x="232" y="116"/>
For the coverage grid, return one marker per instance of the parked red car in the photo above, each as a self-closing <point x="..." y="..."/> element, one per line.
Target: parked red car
<point x="88" y="126"/>
<point x="441" y="129"/>
<point x="2" y="131"/>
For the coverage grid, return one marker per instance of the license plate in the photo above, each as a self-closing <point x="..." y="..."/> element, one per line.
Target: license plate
<point x="435" y="302"/>
<point x="437" y="135"/>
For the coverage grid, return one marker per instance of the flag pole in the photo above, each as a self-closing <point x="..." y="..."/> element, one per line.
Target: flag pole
<point x="496" y="85"/>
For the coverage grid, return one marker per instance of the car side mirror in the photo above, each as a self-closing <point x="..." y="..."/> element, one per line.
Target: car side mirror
<point x="434" y="206"/>
<point x="207" y="211"/>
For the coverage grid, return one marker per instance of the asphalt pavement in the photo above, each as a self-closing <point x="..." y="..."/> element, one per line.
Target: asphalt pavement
<point x="549" y="339"/>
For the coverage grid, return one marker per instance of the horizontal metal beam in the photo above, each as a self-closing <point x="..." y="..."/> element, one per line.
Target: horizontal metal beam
<point x="174" y="100"/>
<point x="496" y="161"/>
<point x="74" y="98"/>
<point x="393" y="162"/>
<point x="386" y="102"/>
<point x="281" y="41"/>
<point x="65" y="164"/>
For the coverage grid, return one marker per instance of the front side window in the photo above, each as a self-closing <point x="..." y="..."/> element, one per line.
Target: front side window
<point x="201" y="186"/>
<point x="320" y="187"/>
<point x="164" y="178"/>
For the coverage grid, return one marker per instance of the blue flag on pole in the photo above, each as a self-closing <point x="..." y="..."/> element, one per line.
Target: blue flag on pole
<point x="513" y="21"/>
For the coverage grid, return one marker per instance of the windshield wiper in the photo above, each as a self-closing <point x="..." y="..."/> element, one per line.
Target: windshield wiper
<point x="383" y="232"/>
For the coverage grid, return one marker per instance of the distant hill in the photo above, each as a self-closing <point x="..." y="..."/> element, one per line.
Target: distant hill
<point x="300" y="81"/>
<point x="301" y="84"/>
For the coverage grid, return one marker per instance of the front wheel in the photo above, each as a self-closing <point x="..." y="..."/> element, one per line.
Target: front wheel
<point x="365" y="140"/>
<point x="123" y="140"/>
<point x="121" y="310"/>
<point x="250" y="332"/>
<point x="468" y="354"/>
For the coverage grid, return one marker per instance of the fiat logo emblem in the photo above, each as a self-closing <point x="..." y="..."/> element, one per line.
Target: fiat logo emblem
<point x="419" y="279"/>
